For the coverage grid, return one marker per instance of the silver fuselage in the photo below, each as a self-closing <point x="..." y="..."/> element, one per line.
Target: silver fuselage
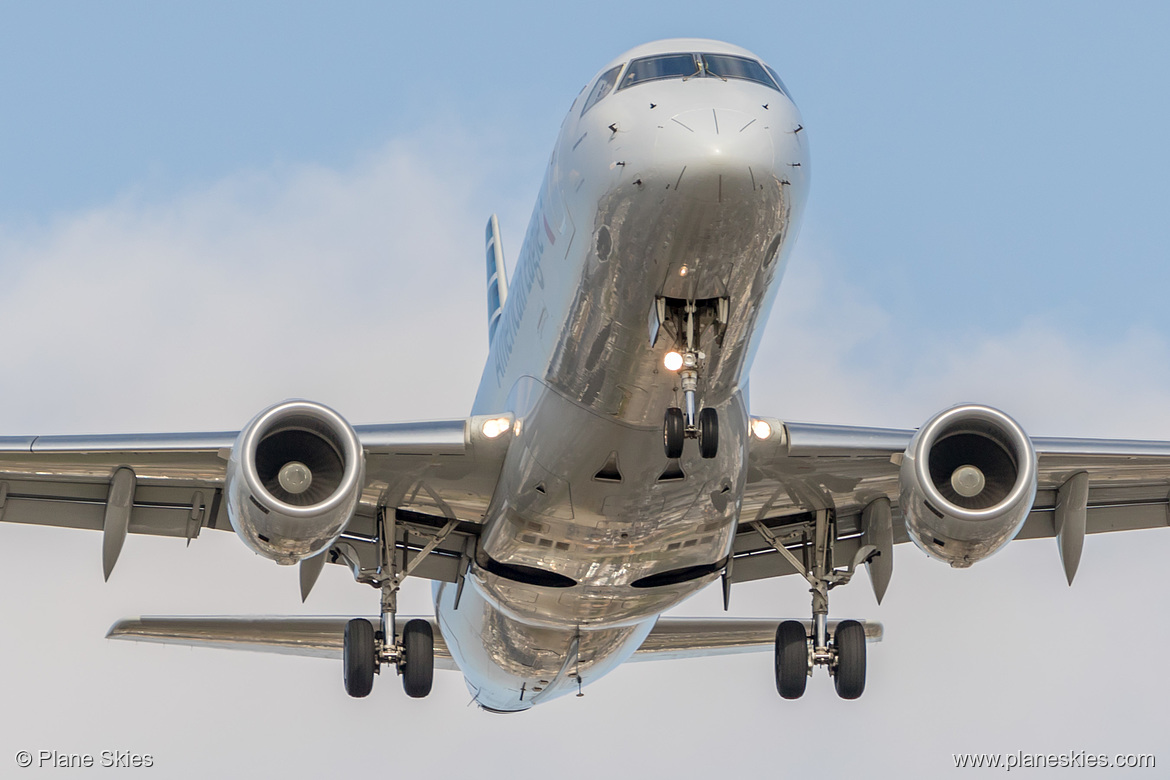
<point x="688" y="189"/>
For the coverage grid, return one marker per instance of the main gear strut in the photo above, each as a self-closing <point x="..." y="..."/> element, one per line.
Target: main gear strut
<point x="366" y="651"/>
<point x="844" y="654"/>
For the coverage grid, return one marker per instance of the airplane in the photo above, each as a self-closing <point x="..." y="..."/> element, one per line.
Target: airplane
<point x="610" y="467"/>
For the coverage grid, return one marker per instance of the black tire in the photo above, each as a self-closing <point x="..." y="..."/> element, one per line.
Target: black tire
<point x="359" y="658"/>
<point x="850" y="675"/>
<point x="791" y="659"/>
<point x="674" y="432"/>
<point x="708" y="433"/>
<point x="418" y="667"/>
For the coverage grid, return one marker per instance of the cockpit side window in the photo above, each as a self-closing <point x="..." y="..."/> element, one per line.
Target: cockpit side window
<point x="662" y="66"/>
<point x="728" y="66"/>
<point x="779" y="83"/>
<point x="602" y="87"/>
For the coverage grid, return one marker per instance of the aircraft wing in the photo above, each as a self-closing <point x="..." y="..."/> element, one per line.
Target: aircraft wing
<point x="321" y="637"/>
<point x="428" y="472"/>
<point x="804" y="468"/>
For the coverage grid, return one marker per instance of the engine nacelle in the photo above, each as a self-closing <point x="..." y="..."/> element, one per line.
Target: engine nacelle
<point x="967" y="483"/>
<point x="294" y="479"/>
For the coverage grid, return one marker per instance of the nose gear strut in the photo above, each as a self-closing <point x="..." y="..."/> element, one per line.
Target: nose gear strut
<point x="690" y="422"/>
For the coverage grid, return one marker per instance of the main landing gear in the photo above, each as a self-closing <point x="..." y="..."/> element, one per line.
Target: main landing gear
<point x="365" y="650"/>
<point x="681" y="424"/>
<point x="797" y="654"/>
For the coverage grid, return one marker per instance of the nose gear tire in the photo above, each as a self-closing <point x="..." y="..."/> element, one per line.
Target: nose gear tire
<point x="708" y="432"/>
<point x="674" y="432"/>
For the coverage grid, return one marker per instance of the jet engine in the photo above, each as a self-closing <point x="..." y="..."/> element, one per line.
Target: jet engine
<point x="293" y="480"/>
<point x="967" y="483"/>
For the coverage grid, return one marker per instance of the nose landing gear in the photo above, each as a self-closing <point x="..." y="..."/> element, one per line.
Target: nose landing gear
<point x="681" y="424"/>
<point x="689" y="422"/>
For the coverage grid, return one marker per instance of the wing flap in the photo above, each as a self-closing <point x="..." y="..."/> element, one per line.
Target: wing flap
<point x="157" y="510"/>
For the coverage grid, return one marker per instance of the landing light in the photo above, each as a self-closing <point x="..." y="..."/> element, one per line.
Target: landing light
<point x="761" y="430"/>
<point x="494" y="427"/>
<point x="673" y="361"/>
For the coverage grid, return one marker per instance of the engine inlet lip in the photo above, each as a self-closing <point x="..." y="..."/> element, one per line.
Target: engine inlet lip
<point x="1021" y="449"/>
<point x="270" y="420"/>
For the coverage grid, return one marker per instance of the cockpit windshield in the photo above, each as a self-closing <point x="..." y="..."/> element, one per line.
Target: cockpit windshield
<point x="727" y="66"/>
<point x="682" y="66"/>
<point x="685" y="66"/>
<point x="661" y="66"/>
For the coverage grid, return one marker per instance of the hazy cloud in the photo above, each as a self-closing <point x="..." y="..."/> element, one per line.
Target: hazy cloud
<point x="833" y="353"/>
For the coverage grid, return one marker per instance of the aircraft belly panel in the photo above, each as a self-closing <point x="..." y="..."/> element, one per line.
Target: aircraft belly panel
<point x="583" y="498"/>
<point x="510" y="665"/>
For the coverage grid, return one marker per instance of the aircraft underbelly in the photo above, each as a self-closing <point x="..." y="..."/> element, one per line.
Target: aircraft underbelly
<point x="621" y="532"/>
<point x="510" y="665"/>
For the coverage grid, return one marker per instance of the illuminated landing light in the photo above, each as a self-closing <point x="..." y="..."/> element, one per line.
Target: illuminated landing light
<point x="673" y="361"/>
<point x="682" y="271"/>
<point x="494" y="427"/>
<point x="761" y="430"/>
<point x="516" y="428"/>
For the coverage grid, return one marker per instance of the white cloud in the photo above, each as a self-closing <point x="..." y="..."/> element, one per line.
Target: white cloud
<point x="832" y="353"/>
<point x="302" y="281"/>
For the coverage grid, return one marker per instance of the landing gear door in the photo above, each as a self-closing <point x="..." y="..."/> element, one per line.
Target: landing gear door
<point x="657" y="317"/>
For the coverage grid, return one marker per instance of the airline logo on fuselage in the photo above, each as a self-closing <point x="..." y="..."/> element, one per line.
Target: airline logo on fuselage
<point x="528" y="271"/>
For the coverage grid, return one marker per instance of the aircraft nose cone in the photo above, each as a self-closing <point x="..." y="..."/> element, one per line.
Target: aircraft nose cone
<point x="715" y="137"/>
<point x="718" y="147"/>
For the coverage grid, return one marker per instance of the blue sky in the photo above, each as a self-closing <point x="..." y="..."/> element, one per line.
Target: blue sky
<point x="185" y="186"/>
<point x="963" y="139"/>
